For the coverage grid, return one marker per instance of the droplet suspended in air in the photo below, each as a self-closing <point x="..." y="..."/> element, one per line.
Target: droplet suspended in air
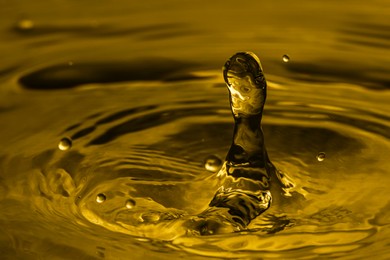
<point x="212" y="163"/>
<point x="321" y="156"/>
<point x="130" y="204"/>
<point x="285" y="58"/>
<point x="25" y="25"/>
<point x="65" y="144"/>
<point x="100" y="198"/>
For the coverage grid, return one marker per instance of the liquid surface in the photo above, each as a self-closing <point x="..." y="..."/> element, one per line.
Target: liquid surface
<point x="116" y="122"/>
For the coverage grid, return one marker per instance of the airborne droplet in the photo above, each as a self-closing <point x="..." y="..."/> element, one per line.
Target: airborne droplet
<point x="285" y="58"/>
<point x="100" y="198"/>
<point x="130" y="204"/>
<point x="65" y="144"/>
<point x="321" y="156"/>
<point x="213" y="163"/>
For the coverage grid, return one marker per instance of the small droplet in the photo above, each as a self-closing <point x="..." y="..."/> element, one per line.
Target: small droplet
<point x="130" y="204"/>
<point x="65" y="144"/>
<point x="285" y="58"/>
<point x="70" y="63"/>
<point x="150" y="217"/>
<point x="100" y="198"/>
<point x="321" y="156"/>
<point x="212" y="163"/>
<point x="25" y="25"/>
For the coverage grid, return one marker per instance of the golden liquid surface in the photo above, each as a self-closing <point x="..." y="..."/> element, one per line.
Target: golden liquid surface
<point x="115" y="122"/>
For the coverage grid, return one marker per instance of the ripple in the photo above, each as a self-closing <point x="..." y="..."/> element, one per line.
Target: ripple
<point x="148" y="160"/>
<point x="63" y="76"/>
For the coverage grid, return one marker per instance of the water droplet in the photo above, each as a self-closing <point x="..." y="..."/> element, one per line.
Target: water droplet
<point x="285" y="58"/>
<point x="321" y="156"/>
<point x="65" y="144"/>
<point x="25" y="25"/>
<point x="130" y="204"/>
<point x="213" y="163"/>
<point x="70" y="63"/>
<point x="100" y="198"/>
<point x="150" y="217"/>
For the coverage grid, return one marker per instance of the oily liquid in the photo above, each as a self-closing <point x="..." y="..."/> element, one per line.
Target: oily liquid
<point x="151" y="178"/>
<point x="146" y="128"/>
<point x="244" y="189"/>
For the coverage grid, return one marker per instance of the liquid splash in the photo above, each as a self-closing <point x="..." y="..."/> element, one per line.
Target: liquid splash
<point x="244" y="178"/>
<point x="247" y="171"/>
<point x="137" y="121"/>
<point x="245" y="193"/>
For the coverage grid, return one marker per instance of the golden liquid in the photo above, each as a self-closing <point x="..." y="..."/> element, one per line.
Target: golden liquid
<point x="115" y="122"/>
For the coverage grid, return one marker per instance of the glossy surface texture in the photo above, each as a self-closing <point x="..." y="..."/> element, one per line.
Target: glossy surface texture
<point x="137" y="89"/>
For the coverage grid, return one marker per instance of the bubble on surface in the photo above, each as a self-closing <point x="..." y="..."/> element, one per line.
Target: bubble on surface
<point x="321" y="156"/>
<point x="285" y="58"/>
<point x="150" y="217"/>
<point x="212" y="163"/>
<point x="65" y="144"/>
<point x="100" y="198"/>
<point x="25" y="25"/>
<point x="130" y="204"/>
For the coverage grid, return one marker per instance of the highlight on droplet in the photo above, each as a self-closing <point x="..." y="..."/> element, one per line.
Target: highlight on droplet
<point x="212" y="163"/>
<point x="100" y="198"/>
<point x="130" y="204"/>
<point x="321" y="156"/>
<point x="285" y="58"/>
<point x="65" y="144"/>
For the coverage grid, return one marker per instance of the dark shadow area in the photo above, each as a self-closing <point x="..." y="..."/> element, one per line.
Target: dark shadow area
<point x="63" y="76"/>
<point x="375" y="35"/>
<point x="148" y="121"/>
<point x="336" y="71"/>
